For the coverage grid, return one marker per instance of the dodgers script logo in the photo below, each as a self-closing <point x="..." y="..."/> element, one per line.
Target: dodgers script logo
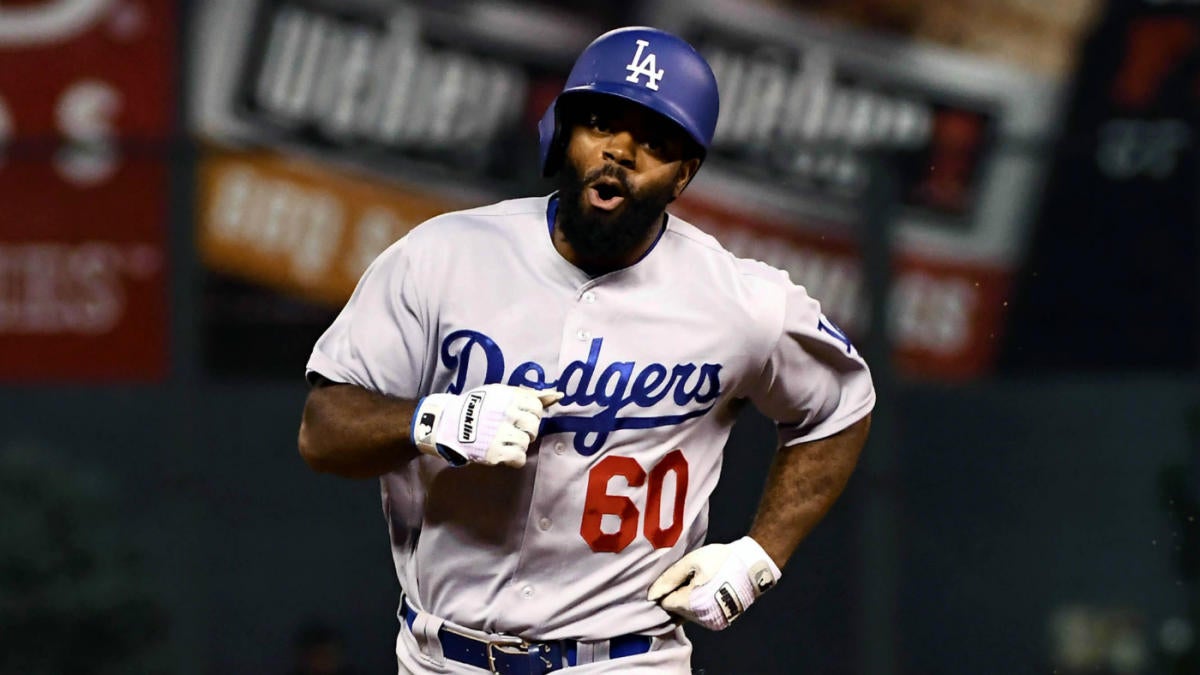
<point x="639" y="66"/>
<point x="615" y="387"/>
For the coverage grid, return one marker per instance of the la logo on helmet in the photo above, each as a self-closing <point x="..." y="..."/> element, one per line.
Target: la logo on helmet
<point x="639" y="66"/>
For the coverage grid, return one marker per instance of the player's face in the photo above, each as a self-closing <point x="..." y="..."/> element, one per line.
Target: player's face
<point x="623" y="165"/>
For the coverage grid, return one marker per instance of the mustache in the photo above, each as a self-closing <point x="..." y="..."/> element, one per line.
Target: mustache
<point x="613" y="171"/>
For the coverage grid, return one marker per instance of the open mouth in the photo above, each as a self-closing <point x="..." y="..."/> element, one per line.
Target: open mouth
<point x="605" y="194"/>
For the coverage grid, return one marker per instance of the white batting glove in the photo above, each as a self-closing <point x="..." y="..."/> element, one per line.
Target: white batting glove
<point x="492" y="424"/>
<point x="715" y="584"/>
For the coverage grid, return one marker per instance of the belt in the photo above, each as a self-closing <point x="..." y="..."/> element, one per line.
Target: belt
<point x="511" y="655"/>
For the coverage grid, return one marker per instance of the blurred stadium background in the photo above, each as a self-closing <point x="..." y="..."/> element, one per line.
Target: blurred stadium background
<point x="997" y="198"/>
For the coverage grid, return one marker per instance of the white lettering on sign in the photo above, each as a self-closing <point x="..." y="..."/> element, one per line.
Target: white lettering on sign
<point x="1130" y="148"/>
<point x="49" y="21"/>
<point x="765" y="100"/>
<point x="807" y="122"/>
<point x="301" y="226"/>
<point x="354" y="83"/>
<point x="932" y="312"/>
<point x="86" y="112"/>
<point x="644" y="66"/>
<point x="49" y="288"/>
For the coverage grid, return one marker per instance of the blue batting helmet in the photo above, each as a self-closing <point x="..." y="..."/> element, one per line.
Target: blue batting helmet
<point x="647" y="66"/>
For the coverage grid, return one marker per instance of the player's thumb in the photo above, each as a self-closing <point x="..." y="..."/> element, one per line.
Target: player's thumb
<point x="549" y="398"/>
<point x="679" y="602"/>
<point x="513" y="458"/>
<point x="676" y="575"/>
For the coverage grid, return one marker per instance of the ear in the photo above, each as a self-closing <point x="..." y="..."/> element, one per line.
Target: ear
<point x="687" y="171"/>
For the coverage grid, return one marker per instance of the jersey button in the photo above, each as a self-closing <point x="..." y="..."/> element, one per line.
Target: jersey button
<point x="583" y="335"/>
<point x="544" y="524"/>
<point x="560" y="448"/>
<point x="527" y="592"/>
<point x="589" y="297"/>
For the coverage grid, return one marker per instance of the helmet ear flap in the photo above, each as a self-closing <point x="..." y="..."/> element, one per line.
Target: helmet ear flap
<point x="551" y="138"/>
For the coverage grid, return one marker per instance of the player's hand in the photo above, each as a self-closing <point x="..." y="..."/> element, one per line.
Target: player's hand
<point x="492" y="424"/>
<point x="715" y="584"/>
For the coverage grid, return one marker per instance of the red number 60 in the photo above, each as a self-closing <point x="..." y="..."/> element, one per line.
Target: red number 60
<point x="599" y="503"/>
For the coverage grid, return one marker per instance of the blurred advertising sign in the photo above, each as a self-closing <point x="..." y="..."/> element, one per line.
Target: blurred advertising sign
<point x="1126" y="184"/>
<point x="86" y="92"/>
<point x="1040" y="36"/>
<point x="291" y="225"/>
<point x="398" y="113"/>
<point x="804" y="105"/>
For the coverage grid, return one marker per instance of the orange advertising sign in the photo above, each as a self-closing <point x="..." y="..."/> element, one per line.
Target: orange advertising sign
<point x="294" y="225"/>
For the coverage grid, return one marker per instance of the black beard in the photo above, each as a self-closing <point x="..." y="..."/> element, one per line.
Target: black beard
<point x="599" y="236"/>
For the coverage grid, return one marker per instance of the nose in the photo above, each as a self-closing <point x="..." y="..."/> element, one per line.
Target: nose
<point x="621" y="149"/>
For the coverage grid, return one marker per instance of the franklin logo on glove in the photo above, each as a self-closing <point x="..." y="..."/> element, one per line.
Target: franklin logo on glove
<point x="730" y="606"/>
<point x="470" y="418"/>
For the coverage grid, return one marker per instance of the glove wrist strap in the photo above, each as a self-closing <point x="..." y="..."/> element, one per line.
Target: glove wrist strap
<point x="763" y="571"/>
<point x="426" y="418"/>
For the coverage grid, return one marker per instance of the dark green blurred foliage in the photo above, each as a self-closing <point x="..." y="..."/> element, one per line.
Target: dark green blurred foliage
<point x="72" y="598"/>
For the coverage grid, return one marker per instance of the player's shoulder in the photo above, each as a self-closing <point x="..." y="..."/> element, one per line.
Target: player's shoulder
<point x="763" y="297"/>
<point x="702" y="246"/>
<point x="749" y="294"/>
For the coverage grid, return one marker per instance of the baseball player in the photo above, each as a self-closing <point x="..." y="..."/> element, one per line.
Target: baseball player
<point x="545" y="387"/>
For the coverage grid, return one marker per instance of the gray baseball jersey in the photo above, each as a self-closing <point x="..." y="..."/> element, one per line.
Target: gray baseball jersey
<point x="654" y="361"/>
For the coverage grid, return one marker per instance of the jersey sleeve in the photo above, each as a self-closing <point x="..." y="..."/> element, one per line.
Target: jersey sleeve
<point x="378" y="340"/>
<point x="815" y="383"/>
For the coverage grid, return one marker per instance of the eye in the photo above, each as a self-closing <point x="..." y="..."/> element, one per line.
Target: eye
<point x="599" y="122"/>
<point x="655" y="145"/>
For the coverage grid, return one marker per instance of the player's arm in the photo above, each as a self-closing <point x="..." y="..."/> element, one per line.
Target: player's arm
<point x="377" y="344"/>
<point x="714" y="584"/>
<point x="354" y="432"/>
<point x="804" y="482"/>
<point x="819" y="389"/>
<point x="357" y="433"/>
